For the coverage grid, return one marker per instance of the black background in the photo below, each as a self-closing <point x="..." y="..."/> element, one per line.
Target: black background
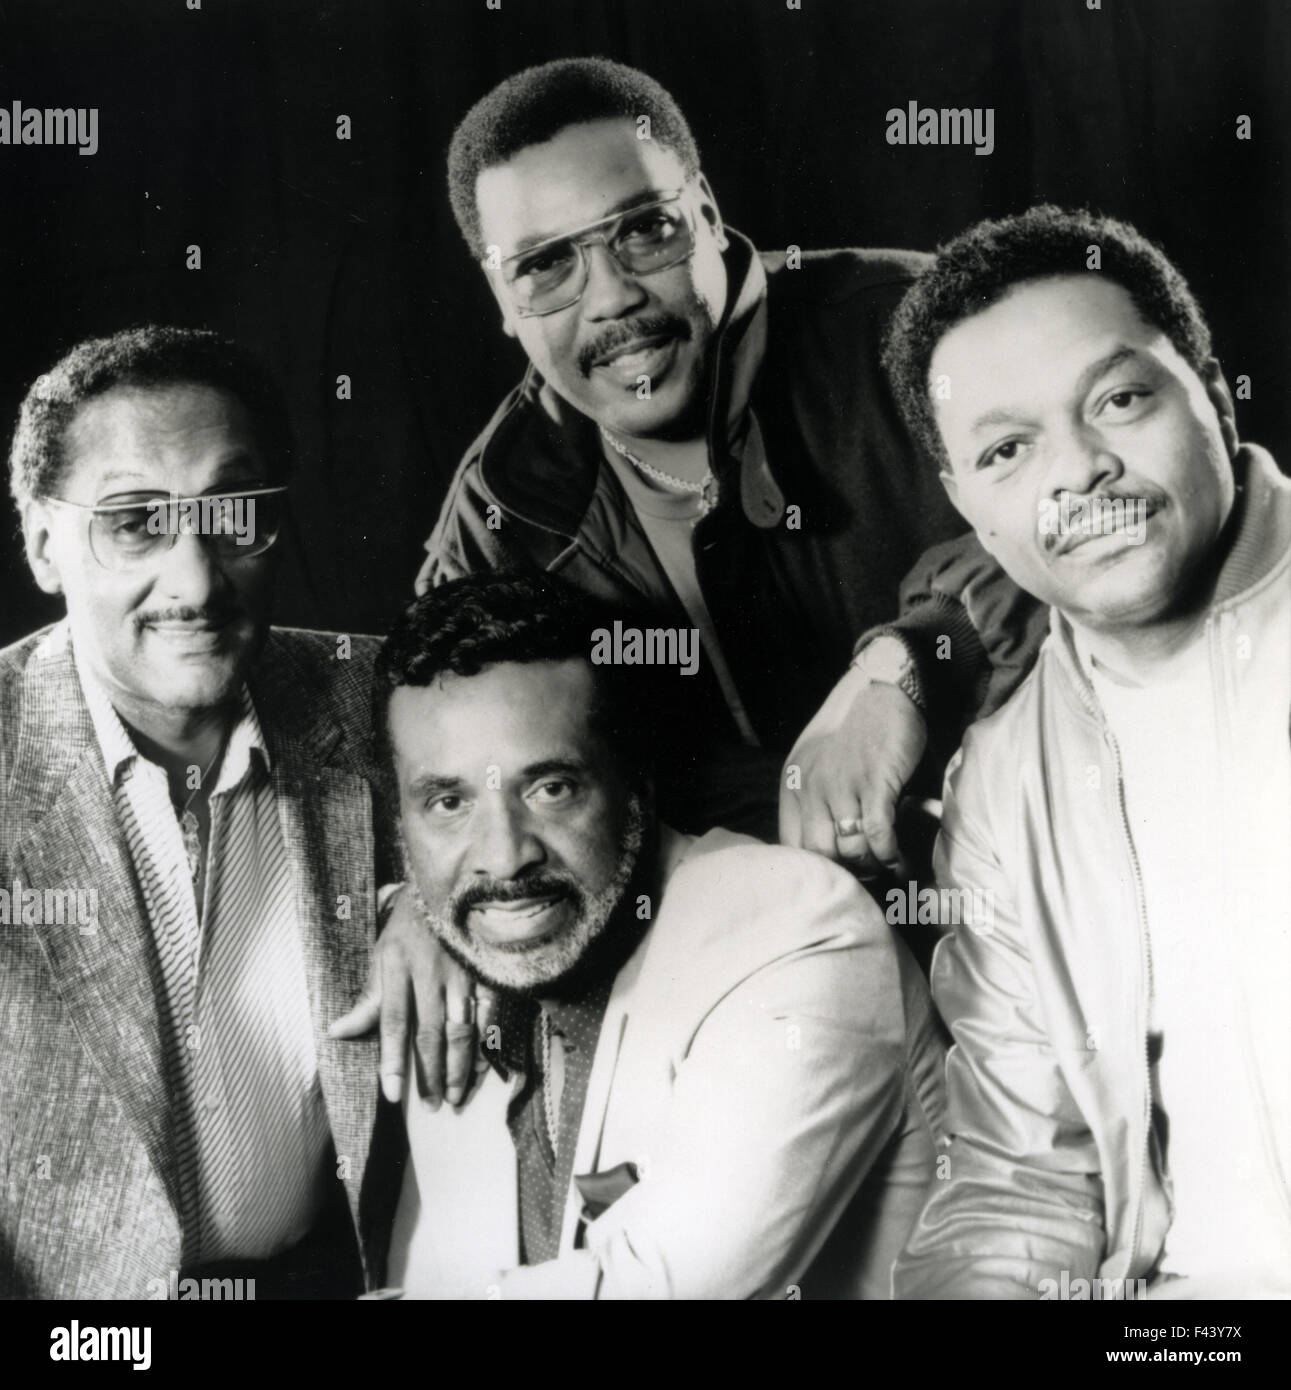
<point x="218" y="127"/>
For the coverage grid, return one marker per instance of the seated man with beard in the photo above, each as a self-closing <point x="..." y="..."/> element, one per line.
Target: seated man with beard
<point x="714" y="1073"/>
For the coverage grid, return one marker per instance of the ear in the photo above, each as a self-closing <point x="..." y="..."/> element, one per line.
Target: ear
<point x="1221" y="398"/>
<point x="708" y="210"/>
<point x="504" y="303"/>
<point x="37" y="539"/>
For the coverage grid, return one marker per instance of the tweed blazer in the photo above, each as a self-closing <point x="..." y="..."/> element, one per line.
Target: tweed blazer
<point x="88" y="1171"/>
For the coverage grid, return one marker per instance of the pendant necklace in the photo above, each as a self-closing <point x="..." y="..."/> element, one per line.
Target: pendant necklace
<point x="705" y="491"/>
<point x="188" y="822"/>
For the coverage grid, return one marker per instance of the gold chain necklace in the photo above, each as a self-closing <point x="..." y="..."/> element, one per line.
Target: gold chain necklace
<point x="706" y="491"/>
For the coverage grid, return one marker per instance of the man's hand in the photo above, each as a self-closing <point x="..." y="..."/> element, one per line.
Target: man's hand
<point x="853" y="761"/>
<point x="411" y="969"/>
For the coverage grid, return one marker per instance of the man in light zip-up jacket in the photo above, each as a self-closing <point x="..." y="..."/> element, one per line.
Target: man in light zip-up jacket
<point x="1119" y="1090"/>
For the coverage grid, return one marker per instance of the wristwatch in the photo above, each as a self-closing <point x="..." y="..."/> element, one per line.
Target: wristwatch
<point x="887" y="659"/>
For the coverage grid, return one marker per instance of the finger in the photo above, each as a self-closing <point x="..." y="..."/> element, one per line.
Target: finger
<point x="428" y="1050"/>
<point x="854" y="851"/>
<point x="879" y="819"/>
<point x="459" y="1035"/>
<point x="361" y="1019"/>
<point x="428" y="1040"/>
<point x="486" y="1014"/>
<point x="790" y="818"/>
<point x="851" y="844"/>
<point x="395" y="994"/>
<point x="460" y="1039"/>
<point x="486" y="1008"/>
<point x="818" y="827"/>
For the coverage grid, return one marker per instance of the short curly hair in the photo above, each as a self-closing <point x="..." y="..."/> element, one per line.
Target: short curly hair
<point x="151" y="355"/>
<point x="534" y="105"/>
<point x="977" y="268"/>
<point x="469" y="624"/>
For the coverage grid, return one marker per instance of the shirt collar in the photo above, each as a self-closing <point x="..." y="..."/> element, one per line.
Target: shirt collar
<point x="247" y="737"/>
<point x="119" y="750"/>
<point x="506" y="1045"/>
<point x="517" y="1014"/>
<point x="575" y="1019"/>
<point x="115" y="743"/>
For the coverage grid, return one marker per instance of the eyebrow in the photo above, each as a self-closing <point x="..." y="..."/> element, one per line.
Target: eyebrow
<point x="1006" y="415"/>
<point x="429" y="783"/>
<point x="553" y="767"/>
<point x="633" y="200"/>
<point x="233" y="464"/>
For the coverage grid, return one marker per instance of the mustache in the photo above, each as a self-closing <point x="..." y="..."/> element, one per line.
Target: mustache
<point x="614" y="335"/>
<point x="207" y="616"/>
<point x="543" y="884"/>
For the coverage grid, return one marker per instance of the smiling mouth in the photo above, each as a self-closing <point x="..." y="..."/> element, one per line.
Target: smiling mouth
<point x="1120" y="531"/>
<point x="640" y="357"/>
<point x="510" y="925"/>
<point x="205" y="636"/>
<point x="518" y="907"/>
<point x="636" y="346"/>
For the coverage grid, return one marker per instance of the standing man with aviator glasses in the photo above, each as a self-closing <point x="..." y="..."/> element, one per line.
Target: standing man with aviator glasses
<point x="172" y="1106"/>
<point x="704" y="435"/>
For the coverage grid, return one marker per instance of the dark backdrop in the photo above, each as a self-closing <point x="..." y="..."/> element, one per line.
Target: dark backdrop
<point x="217" y="127"/>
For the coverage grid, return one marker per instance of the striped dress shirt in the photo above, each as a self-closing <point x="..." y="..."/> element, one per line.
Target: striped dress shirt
<point x="250" y="1127"/>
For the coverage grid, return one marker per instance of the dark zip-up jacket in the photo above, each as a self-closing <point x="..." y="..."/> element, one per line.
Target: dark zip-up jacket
<point x="824" y="507"/>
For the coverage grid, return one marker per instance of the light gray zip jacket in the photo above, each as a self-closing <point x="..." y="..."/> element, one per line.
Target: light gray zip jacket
<point x="1053" y="1162"/>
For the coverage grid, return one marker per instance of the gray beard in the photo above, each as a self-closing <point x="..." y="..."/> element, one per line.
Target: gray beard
<point x="525" y="971"/>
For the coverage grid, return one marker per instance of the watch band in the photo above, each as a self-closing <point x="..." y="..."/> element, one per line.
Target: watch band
<point x="906" y="678"/>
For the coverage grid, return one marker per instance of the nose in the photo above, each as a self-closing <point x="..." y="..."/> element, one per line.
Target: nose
<point x="1084" y="463"/>
<point x="610" y="291"/>
<point x="190" y="574"/>
<point x="505" y="844"/>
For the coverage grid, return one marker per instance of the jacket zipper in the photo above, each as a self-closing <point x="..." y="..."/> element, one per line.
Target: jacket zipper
<point x="1145" y="962"/>
<point x="1090" y="702"/>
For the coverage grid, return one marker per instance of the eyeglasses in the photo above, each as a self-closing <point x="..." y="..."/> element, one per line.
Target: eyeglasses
<point x="133" y="533"/>
<point x="552" y="275"/>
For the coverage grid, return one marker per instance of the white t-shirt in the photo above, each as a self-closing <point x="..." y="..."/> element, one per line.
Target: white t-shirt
<point x="1209" y="810"/>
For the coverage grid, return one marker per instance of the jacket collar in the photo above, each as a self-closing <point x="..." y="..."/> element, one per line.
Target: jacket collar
<point x="541" y="459"/>
<point x="1262" y="524"/>
<point x="306" y="731"/>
